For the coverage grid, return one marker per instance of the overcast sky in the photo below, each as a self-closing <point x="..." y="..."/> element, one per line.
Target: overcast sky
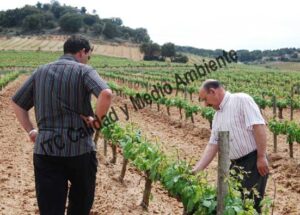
<point x="211" y="24"/>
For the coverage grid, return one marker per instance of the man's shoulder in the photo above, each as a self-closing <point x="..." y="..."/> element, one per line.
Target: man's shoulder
<point x="81" y="66"/>
<point x="44" y="67"/>
<point x="241" y="96"/>
<point x="85" y="67"/>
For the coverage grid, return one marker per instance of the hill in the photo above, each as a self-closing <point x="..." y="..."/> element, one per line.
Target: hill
<point x="53" y="20"/>
<point x="57" y="19"/>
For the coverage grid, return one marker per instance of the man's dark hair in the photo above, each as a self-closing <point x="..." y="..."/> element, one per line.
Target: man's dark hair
<point x="75" y="43"/>
<point x="212" y="84"/>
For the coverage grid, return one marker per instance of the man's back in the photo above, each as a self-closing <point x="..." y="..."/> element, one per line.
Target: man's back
<point x="61" y="92"/>
<point x="64" y="151"/>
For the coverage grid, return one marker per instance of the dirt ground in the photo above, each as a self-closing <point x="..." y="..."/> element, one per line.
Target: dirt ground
<point x="178" y="138"/>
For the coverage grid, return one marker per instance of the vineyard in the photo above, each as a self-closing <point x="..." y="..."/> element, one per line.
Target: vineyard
<point x="154" y="148"/>
<point x="55" y="44"/>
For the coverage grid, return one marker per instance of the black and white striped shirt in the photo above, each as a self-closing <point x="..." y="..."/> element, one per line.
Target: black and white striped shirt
<point x="238" y="113"/>
<point x="60" y="92"/>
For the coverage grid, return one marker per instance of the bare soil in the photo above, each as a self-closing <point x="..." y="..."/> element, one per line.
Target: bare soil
<point x="178" y="138"/>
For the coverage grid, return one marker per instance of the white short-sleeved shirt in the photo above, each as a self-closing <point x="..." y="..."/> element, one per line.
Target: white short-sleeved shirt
<point x="238" y="113"/>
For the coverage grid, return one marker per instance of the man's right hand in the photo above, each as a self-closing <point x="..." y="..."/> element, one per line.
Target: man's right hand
<point x="32" y="135"/>
<point x="88" y="120"/>
<point x="91" y="121"/>
<point x="194" y="171"/>
<point x="208" y="155"/>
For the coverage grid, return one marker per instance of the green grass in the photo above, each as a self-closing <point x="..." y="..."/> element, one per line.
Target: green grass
<point x="252" y="79"/>
<point x="35" y="58"/>
<point x="288" y="66"/>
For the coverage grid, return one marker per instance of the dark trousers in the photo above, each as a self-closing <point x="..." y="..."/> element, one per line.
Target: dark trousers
<point x="51" y="181"/>
<point x="253" y="179"/>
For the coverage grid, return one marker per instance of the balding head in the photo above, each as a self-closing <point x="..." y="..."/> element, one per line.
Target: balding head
<point x="212" y="93"/>
<point x="211" y="83"/>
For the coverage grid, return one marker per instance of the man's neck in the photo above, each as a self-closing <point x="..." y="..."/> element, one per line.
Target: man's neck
<point x="222" y="96"/>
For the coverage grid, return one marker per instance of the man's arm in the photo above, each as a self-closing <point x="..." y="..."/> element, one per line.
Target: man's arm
<point x="102" y="106"/>
<point x="94" y="84"/>
<point x="103" y="103"/>
<point x="208" y="155"/>
<point x="23" y="117"/>
<point x="22" y="102"/>
<point x="260" y="137"/>
<point x="256" y="123"/>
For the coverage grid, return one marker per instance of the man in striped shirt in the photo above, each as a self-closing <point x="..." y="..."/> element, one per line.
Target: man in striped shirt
<point x="64" y="149"/>
<point x="238" y="114"/>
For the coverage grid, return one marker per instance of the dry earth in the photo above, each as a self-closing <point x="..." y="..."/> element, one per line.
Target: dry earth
<point x="178" y="138"/>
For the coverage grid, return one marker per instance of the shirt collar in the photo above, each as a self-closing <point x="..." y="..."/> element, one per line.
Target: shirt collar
<point x="68" y="57"/>
<point x="225" y="100"/>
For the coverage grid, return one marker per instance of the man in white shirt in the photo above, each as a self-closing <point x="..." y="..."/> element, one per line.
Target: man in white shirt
<point x="240" y="115"/>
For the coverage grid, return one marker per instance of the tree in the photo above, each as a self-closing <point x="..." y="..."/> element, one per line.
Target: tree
<point x="38" y="21"/>
<point x="33" y="22"/>
<point x="70" y="22"/>
<point x="168" y="50"/>
<point x="56" y="9"/>
<point x="27" y="11"/>
<point x="10" y="18"/>
<point x="244" y="55"/>
<point x="2" y="17"/>
<point x="110" y="30"/>
<point x="256" y="55"/>
<point x="117" y="21"/>
<point x="141" y="35"/>
<point x="83" y="10"/>
<point x="46" y="7"/>
<point x="39" y="5"/>
<point x="294" y="55"/>
<point x="127" y="31"/>
<point x="90" y="19"/>
<point x="49" y="20"/>
<point x="180" y="59"/>
<point x="150" y="49"/>
<point x="14" y="18"/>
<point x="98" y="28"/>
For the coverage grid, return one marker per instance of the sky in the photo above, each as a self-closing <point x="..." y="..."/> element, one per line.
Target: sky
<point x="209" y="24"/>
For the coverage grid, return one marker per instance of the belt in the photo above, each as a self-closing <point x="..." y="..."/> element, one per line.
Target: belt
<point x="247" y="156"/>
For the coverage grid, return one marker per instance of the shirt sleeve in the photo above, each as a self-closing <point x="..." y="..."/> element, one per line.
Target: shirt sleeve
<point x="214" y="133"/>
<point x="251" y="113"/>
<point x="94" y="83"/>
<point x="24" y="96"/>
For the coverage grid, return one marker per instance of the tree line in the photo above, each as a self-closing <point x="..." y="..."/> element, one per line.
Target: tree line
<point x="283" y="54"/>
<point x="153" y="51"/>
<point x="67" y="19"/>
<point x="56" y="18"/>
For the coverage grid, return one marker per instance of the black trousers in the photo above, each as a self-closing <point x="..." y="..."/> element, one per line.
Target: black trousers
<point x="253" y="179"/>
<point x="51" y="181"/>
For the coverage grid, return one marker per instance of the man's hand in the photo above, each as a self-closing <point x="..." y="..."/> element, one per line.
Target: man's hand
<point x="91" y="121"/>
<point x="23" y="117"/>
<point x="208" y="155"/>
<point x="102" y="106"/>
<point x="260" y="136"/>
<point x="32" y="135"/>
<point x="195" y="170"/>
<point x="262" y="165"/>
